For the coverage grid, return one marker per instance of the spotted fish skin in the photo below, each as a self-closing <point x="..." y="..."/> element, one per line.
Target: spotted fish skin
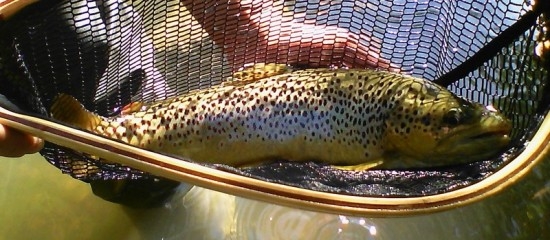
<point x="268" y="112"/>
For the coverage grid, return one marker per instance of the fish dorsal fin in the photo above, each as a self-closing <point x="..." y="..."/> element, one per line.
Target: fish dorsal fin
<point x="255" y="72"/>
<point x="67" y="109"/>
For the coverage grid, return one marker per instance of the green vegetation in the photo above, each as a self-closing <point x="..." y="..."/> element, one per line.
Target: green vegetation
<point x="521" y="80"/>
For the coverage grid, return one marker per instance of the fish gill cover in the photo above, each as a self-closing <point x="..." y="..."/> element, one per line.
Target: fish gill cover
<point x="110" y="53"/>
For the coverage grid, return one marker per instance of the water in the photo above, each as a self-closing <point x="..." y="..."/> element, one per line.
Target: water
<point x="38" y="202"/>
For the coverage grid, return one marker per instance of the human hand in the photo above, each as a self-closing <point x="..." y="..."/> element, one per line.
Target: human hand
<point x="14" y="143"/>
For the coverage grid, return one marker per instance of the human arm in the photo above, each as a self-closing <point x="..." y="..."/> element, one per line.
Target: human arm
<point x="252" y="31"/>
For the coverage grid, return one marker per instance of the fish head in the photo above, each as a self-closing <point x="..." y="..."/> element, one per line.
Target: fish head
<point x="431" y="126"/>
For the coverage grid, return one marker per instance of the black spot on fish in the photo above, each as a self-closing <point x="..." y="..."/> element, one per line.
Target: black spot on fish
<point x="425" y="120"/>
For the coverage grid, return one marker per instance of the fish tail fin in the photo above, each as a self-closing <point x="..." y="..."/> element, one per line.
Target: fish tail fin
<point x="67" y="109"/>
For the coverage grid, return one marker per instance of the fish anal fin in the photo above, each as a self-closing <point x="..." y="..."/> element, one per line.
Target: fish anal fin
<point x="362" y="166"/>
<point x="255" y="72"/>
<point x="67" y="109"/>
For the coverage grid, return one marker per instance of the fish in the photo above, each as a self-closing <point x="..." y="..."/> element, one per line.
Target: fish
<point x="352" y="119"/>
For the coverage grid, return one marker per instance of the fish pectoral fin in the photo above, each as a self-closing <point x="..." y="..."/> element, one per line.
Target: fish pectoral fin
<point x="361" y="167"/>
<point x="255" y="72"/>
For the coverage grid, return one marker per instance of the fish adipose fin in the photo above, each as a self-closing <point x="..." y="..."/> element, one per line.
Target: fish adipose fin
<point x="67" y="109"/>
<point x="131" y="108"/>
<point x="361" y="167"/>
<point x="255" y="72"/>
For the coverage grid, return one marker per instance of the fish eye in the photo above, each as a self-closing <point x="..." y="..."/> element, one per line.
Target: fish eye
<point x="453" y="117"/>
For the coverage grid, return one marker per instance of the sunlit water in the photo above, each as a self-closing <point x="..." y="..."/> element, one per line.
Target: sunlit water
<point x="38" y="202"/>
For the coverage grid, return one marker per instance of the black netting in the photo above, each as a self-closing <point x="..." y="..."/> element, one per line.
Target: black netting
<point x="109" y="53"/>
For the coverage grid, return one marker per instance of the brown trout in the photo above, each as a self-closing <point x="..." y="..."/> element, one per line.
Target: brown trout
<point x="353" y="119"/>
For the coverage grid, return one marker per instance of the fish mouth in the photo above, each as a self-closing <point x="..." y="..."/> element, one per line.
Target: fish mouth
<point x="497" y="133"/>
<point x="478" y="142"/>
<point x="494" y="135"/>
<point x="492" y="129"/>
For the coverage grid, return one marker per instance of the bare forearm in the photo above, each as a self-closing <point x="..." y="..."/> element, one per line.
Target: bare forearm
<point x="256" y="31"/>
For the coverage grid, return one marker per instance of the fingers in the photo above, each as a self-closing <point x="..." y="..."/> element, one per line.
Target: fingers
<point x="14" y="143"/>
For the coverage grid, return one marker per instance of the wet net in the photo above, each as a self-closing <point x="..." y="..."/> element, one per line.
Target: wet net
<point x="110" y="53"/>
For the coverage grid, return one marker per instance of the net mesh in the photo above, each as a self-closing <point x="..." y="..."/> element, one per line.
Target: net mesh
<point x="109" y="53"/>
